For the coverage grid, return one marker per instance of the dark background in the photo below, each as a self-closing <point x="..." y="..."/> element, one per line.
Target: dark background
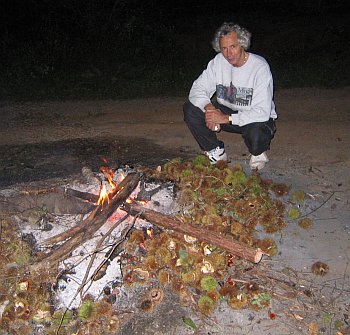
<point x="97" y="49"/>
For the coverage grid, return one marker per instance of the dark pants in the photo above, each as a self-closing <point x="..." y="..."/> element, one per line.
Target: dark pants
<point x="257" y="135"/>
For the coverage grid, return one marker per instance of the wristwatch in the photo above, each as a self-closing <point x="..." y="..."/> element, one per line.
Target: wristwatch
<point x="230" y="118"/>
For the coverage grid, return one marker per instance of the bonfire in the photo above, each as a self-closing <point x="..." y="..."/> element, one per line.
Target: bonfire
<point x="198" y="230"/>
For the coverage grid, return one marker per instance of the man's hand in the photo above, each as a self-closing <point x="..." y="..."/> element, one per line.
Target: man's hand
<point x="214" y="117"/>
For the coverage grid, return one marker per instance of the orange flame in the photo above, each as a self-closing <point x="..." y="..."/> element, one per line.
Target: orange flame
<point x="150" y="233"/>
<point x="109" y="174"/>
<point x="103" y="196"/>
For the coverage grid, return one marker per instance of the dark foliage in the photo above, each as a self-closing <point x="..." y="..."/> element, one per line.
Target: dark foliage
<point x="133" y="48"/>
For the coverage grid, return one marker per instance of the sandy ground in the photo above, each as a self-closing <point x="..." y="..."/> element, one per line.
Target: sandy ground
<point x="310" y="152"/>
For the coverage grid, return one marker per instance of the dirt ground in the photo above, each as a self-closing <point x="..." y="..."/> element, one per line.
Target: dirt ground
<point x="40" y="142"/>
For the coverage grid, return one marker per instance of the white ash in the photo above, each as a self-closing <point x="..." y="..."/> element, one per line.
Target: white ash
<point x="163" y="201"/>
<point x="75" y="266"/>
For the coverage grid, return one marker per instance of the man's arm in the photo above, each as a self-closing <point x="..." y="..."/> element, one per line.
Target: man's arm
<point x="204" y="87"/>
<point x="214" y="117"/>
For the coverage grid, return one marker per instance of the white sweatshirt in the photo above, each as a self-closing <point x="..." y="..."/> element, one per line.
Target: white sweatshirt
<point x="247" y="89"/>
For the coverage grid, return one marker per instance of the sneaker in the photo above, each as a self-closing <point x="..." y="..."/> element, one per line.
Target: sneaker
<point x="217" y="154"/>
<point x="258" y="162"/>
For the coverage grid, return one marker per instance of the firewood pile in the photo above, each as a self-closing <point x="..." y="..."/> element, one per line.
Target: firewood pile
<point x="196" y="229"/>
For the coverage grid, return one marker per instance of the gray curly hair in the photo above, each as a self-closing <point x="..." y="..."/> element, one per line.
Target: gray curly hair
<point x="243" y="35"/>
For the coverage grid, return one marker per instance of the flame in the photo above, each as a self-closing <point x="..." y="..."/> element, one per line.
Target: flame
<point x="150" y="233"/>
<point x="121" y="177"/>
<point x="109" y="174"/>
<point x="103" y="196"/>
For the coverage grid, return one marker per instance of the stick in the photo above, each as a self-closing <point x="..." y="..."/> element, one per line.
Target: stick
<point x="81" y="195"/>
<point x="234" y="247"/>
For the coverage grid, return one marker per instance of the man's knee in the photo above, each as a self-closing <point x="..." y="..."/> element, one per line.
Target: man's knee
<point x="257" y="138"/>
<point x="254" y="144"/>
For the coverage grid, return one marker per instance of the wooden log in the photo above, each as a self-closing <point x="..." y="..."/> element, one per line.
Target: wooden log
<point x="93" y="222"/>
<point x="234" y="247"/>
<point x="81" y="195"/>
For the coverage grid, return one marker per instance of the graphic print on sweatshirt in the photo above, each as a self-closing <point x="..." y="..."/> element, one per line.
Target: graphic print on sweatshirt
<point x="239" y="96"/>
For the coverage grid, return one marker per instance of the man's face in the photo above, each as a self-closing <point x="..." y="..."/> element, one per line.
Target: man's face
<point x="231" y="49"/>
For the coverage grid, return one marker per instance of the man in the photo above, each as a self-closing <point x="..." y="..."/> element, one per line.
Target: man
<point x="244" y="104"/>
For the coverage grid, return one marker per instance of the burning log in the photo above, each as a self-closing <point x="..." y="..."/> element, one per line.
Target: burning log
<point x="86" y="228"/>
<point x="234" y="247"/>
<point x="81" y="226"/>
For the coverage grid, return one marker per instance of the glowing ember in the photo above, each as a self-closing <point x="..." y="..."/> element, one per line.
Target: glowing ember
<point x="121" y="176"/>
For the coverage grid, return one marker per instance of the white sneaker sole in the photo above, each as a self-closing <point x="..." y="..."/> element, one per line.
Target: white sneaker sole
<point x="222" y="157"/>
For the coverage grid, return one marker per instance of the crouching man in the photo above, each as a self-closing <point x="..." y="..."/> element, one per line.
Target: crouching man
<point x="243" y="86"/>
